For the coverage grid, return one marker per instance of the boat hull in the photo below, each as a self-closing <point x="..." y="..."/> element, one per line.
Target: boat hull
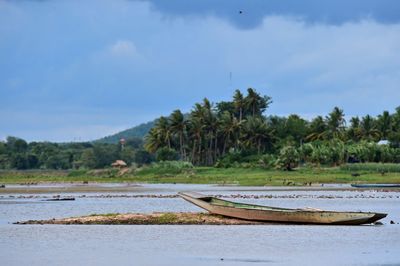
<point x="376" y="185"/>
<point x="280" y="215"/>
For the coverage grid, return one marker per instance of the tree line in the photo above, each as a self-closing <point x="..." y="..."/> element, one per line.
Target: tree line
<point x="225" y="134"/>
<point x="16" y="153"/>
<point x="240" y="127"/>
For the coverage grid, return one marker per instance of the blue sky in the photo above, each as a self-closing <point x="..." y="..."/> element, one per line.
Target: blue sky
<point x="79" y="70"/>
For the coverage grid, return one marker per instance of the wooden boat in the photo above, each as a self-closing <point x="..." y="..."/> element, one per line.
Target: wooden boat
<point x="281" y="215"/>
<point x="60" y="199"/>
<point x="376" y="185"/>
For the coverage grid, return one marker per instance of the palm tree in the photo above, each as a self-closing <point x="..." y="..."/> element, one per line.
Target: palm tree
<point x="230" y="130"/>
<point x="163" y="130"/>
<point x="318" y="128"/>
<point x="335" y="123"/>
<point x="252" y="101"/>
<point x="396" y="120"/>
<point x="239" y="103"/>
<point x="195" y="130"/>
<point x="384" y="124"/>
<point x="256" y="133"/>
<point x="255" y="104"/>
<point x="368" y="128"/>
<point x="152" y="141"/>
<point x="355" y="132"/>
<point x="178" y="127"/>
<point x="213" y="125"/>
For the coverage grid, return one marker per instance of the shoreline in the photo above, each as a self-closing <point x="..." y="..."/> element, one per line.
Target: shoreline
<point x="93" y="187"/>
<point x="301" y="177"/>
<point x="156" y="188"/>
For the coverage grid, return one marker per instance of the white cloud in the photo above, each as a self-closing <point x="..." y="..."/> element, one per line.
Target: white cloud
<point x="124" y="48"/>
<point x="158" y="64"/>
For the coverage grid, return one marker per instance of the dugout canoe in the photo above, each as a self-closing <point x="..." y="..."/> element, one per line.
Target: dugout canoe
<point x="279" y="215"/>
<point x="376" y="185"/>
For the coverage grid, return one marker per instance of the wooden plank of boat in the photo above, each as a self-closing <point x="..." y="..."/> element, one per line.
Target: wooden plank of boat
<point x="282" y="215"/>
<point x="376" y="185"/>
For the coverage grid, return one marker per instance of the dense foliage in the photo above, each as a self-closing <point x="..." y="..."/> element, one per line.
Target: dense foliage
<point x="234" y="133"/>
<point x="227" y="133"/>
<point x="16" y="153"/>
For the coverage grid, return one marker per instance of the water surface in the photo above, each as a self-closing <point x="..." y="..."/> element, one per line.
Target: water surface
<point x="196" y="244"/>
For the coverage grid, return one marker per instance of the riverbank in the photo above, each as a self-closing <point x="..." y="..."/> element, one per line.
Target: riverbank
<point x="203" y="175"/>
<point x="182" y="218"/>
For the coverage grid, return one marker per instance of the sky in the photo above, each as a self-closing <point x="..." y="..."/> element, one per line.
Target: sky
<point x="79" y="70"/>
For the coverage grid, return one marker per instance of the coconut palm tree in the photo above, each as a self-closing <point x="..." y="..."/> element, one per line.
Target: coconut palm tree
<point x="255" y="104"/>
<point x="178" y="128"/>
<point x="369" y="129"/>
<point x="230" y="130"/>
<point x="195" y="131"/>
<point x="384" y="124"/>
<point x="256" y="134"/>
<point x="163" y="130"/>
<point x="239" y="103"/>
<point x="354" y="132"/>
<point x="152" y="141"/>
<point x="317" y="129"/>
<point x="335" y="124"/>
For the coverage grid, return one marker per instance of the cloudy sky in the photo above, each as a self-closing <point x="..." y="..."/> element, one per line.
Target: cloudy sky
<point x="79" y="70"/>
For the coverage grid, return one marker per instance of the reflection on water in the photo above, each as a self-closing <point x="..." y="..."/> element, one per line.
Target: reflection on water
<point x="193" y="244"/>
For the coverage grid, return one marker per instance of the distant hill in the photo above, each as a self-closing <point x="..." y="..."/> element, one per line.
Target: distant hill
<point x="138" y="131"/>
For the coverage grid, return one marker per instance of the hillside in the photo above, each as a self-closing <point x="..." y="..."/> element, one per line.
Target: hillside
<point x="138" y="131"/>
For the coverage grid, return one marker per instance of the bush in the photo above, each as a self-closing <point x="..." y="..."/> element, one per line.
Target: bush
<point x="288" y="158"/>
<point x="166" y="154"/>
<point x="267" y="161"/>
<point x="372" y="152"/>
<point x="77" y="173"/>
<point x="239" y="159"/>
<point x="143" y="157"/>
<point x="167" y="168"/>
<point x="372" y="167"/>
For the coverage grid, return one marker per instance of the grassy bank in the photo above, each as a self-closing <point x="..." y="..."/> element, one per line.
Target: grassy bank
<point x="148" y="218"/>
<point x="210" y="175"/>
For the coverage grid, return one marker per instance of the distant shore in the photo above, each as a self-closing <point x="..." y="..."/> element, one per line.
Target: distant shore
<point x="310" y="177"/>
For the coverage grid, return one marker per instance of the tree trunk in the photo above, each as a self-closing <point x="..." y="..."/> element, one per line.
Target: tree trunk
<point x="210" y="155"/>
<point x="199" y="151"/>
<point x="224" y="148"/>
<point x="169" y="143"/>
<point x="181" y="145"/>
<point x="194" y="152"/>
<point x="215" y="148"/>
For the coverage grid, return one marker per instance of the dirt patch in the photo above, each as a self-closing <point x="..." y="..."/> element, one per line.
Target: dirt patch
<point x="152" y="218"/>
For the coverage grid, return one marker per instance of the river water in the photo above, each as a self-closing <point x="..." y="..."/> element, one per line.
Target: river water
<point x="196" y="244"/>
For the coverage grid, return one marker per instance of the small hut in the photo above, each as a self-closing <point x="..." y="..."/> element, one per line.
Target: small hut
<point x="119" y="164"/>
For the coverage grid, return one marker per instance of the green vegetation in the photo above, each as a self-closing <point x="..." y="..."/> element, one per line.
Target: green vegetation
<point x="231" y="142"/>
<point x="16" y="153"/>
<point x="237" y="133"/>
<point x="372" y="167"/>
<point x="105" y="214"/>
<point x="165" y="218"/>
<point x="183" y="172"/>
